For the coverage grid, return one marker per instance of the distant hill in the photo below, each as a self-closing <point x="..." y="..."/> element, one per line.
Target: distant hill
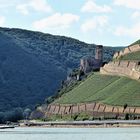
<point x="32" y="65"/>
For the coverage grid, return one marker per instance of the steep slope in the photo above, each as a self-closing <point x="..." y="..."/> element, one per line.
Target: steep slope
<point x="24" y="79"/>
<point x="32" y="64"/>
<point x="110" y="90"/>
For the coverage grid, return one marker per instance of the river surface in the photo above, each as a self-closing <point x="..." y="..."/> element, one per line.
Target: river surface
<point x="70" y="134"/>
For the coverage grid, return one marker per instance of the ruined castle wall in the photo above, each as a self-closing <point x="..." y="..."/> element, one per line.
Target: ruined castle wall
<point x="117" y="70"/>
<point x="136" y="74"/>
<point x="135" y="48"/>
<point x="137" y="110"/>
<point x="137" y="68"/>
<point x="103" y="71"/>
<point x="96" y="107"/>
<point x="127" y="110"/>
<point x="68" y="110"/>
<point x="124" y="64"/>
<point x="122" y="68"/>
<point x="57" y="109"/>
<point x="132" y="65"/>
<point x="99" y="52"/>
<point x="121" y="53"/>
<point x="82" y="108"/>
<point x="52" y="109"/>
<point x="90" y="107"/>
<point x="132" y="110"/>
<point x="62" y="110"/>
<point x="101" y="108"/>
<point x="75" y="109"/>
<point x="48" y="108"/>
<point x="108" y="109"/>
<point x="121" y="109"/>
<point x="116" y="110"/>
<point x="117" y="63"/>
<point x="116" y="55"/>
<point x="127" y="50"/>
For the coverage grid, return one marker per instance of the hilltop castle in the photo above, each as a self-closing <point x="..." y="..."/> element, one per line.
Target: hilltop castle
<point x="89" y="64"/>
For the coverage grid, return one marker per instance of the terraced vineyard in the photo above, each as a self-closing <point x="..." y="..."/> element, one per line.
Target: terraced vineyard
<point x="137" y="42"/>
<point x="131" y="56"/>
<point x="110" y="90"/>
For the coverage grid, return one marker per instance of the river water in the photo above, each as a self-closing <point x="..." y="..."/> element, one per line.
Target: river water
<point x="70" y="134"/>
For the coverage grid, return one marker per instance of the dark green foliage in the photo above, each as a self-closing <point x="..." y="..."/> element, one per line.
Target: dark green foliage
<point x="37" y="114"/>
<point x="83" y="116"/>
<point x="2" y="117"/>
<point x="126" y="116"/>
<point x="75" y="117"/>
<point x="12" y="116"/>
<point x="125" y="106"/>
<point x="49" y="99"/>
<point x="67" y="86"/>
<point x="27" y="113"/>
<point x="33" y="64"/>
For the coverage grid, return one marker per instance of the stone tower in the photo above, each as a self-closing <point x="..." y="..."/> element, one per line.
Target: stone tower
<point x="99" y="53"/>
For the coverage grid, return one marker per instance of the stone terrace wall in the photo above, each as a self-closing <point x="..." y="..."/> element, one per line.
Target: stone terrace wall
<point x="122" y="68"/>
<point x="90" y="108"/>
<point x="127" y="50"/>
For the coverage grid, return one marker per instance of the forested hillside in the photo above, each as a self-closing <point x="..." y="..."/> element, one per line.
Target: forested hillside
<point x="32" y="65"/>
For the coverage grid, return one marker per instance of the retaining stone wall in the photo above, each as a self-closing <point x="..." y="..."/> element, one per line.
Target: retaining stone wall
<point x="127" y="50"/>
<point x="82" y="108"/>
<point x="122" y="68"/>
<point x="89" y="107"/>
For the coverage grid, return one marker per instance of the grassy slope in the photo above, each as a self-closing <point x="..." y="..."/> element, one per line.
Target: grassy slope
<point x="106" y="89"/>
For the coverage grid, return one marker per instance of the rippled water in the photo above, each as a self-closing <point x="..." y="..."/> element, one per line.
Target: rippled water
<point x="70" y="134"/>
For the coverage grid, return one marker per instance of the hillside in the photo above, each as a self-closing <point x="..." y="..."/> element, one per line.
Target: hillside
<point x="137" y="42"/>
<point x="111" y="86"/>
<point x="32" y="65"/>
<point x="113" y="93"/>
<point x="24" y="80"/>
<point x="111" y="90"/>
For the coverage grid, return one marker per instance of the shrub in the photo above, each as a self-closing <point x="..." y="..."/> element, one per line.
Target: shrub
<point x="125" y="106"/>
<point x="126" y="116"/>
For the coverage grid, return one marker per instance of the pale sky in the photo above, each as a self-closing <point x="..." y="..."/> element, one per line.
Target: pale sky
<point x="106" y="22"/>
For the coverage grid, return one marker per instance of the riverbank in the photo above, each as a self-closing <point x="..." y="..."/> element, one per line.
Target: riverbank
<point x="83" y="124"/>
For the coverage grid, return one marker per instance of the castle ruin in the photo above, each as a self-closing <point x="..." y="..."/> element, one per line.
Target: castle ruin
<point x="89" y="64"/>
